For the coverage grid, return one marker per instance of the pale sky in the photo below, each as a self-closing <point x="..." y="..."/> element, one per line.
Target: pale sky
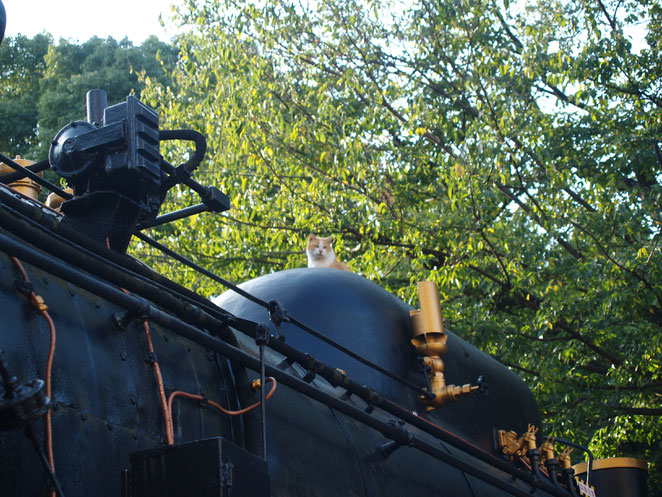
<point x="80" y="20"/>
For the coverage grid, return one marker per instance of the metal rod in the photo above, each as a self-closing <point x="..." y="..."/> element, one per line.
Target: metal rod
<point x="37" y="167"/>
<point x="263" y="409"/>
<point x="32" y="436"/>
<point x="135" y="304"/>
<point x="195" y="315"/>
<point x="30" y="224"/>
<point x="173" y="216"/>
<point x="264" y="304"/>
<point x="47" y="184"/>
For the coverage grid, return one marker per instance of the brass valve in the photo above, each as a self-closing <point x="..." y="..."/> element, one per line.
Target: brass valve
<point x="530" y="438"/>
<point x="564" y="459"/>
<point x="512" y="446"/>
<point x="429" y="341"/>
<point x="546" y="452"/>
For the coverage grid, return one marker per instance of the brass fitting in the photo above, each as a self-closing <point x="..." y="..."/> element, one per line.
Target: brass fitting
<point x="546" y="452"/>
<point x="256" y="385"/>
<point x="54" y="201"/>
<point x="39" y="303"/>
<point x="26" y="186"/>
<point x="512" y="446"/>
<point x="429" y="340"/>
<point x="530" y="438"/>
<point x="564" y="458"/>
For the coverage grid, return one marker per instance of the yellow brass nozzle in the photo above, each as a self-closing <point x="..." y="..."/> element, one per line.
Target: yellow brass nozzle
<point x="54" y="201"/>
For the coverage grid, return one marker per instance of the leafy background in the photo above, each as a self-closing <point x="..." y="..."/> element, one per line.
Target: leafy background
<point x="507" y="151"/>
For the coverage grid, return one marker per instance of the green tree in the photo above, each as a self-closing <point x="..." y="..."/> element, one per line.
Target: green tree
<point x="509" y="153"/>
<point x="21" y="68"/>
<point x="44" y="84"/>
<point x="108" y="64"/>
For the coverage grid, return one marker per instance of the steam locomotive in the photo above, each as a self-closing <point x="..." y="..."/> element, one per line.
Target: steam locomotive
<point x="117" y="382"/>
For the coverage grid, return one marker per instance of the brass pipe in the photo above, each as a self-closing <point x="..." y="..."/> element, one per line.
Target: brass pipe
<point x="430" y="342"/>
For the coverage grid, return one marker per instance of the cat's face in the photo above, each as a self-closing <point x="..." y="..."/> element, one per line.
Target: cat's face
<point x="318" y="247"/>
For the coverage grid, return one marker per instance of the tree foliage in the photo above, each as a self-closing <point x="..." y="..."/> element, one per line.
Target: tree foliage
<point x="508" y="152"/>
<point x="44" y="83"/>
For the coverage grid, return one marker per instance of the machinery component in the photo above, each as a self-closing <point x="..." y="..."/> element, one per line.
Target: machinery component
<point x="20" y="403"/>
<point x="549" y="462"/>
<point x="430" y="343"/>
<point x="125" y="144"/>
<point x="26" y="186"/>
<point x="512" y="446"/>
<point x="55" y="201"/>
<point x="615" y="476"/>
<point x="119" y="179"/>
<point x="113" y="166"/>
<point x="213" y="467"/>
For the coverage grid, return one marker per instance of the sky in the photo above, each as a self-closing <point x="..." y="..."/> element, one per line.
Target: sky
<point x="80" y="20"/>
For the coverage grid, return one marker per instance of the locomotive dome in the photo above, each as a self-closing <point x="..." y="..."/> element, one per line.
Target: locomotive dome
<point x="366" y="319"/>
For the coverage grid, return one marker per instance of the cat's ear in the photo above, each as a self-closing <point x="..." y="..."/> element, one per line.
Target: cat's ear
<point x="311" y="236"/>
<point x="329" y="239"/>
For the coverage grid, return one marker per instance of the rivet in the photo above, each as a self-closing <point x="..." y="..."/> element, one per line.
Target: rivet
<point x="188" y="349"/>
<point x="83" y="416"/>
<point x="45" y="280"/>
<point x="123" y="356"/>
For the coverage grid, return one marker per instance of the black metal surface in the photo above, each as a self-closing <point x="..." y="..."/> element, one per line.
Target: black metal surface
<point x="483" y="471"/>
<point x="105" y="395"/>
<point x="363" y="317"/>
<point x="269" y="306"/>
<point x="619" y="482"/>
<point x="205" y="468"/>
<point x="333" y="414"/>
<point x="96" y="101"/>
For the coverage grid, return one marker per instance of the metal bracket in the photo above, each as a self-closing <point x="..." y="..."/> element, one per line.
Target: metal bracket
<point x="400" y="436"/>
<point x="227" y="471"/>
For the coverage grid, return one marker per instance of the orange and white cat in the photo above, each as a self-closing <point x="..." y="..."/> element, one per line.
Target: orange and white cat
<point x="320" y="253"/>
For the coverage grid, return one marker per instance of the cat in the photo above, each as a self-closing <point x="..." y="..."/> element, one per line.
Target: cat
<point x="320" y="253"/>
